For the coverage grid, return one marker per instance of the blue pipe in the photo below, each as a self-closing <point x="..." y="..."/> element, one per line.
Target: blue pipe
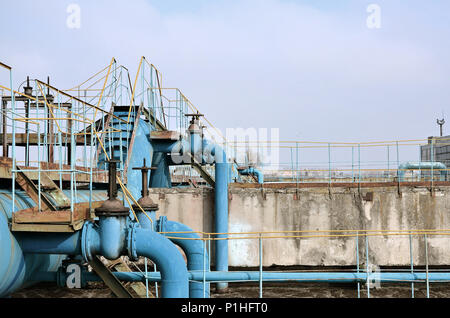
<point x="221" y="218"/>
<point x="423" y="166"/>
<point x="196" y="146"/>
<point x="166" y="257"/>
<point x="49" y="243"/>
<point x="109" y="238"/>
<point x="279" y="277"/>
<point x="193" y="249"/>
<point x="144" y="221"/>
<point x="111" y="235"/>
<point x="255" y="172"/>
<point x="160" y="178"/>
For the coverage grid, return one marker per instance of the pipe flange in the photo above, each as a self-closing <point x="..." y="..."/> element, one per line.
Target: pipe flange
<point x="86" y="241"/>
<point x="131" y="242"/>
<point x="161" y="224"/>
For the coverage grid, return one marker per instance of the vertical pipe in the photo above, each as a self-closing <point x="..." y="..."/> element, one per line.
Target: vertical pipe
<point x="221" y="218"/>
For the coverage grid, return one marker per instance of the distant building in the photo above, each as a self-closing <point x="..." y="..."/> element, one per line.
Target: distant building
<point x="441" y="150"/>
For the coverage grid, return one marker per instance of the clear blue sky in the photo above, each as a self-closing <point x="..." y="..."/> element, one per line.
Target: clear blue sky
<point x="311" y="68"/>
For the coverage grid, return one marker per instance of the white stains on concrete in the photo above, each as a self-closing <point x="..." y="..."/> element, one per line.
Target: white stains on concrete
<point x="367" y="209"/>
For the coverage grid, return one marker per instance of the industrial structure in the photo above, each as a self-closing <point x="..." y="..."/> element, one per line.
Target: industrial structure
<point x="82" y="168"/>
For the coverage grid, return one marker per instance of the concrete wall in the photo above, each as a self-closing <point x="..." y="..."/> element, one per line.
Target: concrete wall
<point x="319" y="209"/>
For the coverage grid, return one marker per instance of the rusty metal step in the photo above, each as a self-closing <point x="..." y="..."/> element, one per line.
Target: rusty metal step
<point x="32" y="220"/>
<point x="48" y="189"/>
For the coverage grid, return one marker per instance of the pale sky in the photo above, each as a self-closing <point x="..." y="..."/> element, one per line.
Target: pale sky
<point x="311" y="68"/>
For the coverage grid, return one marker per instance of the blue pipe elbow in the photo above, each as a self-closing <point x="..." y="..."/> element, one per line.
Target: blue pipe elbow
<point x="174" y="273"/>
<point x="197" y="256"/>
<point x="255" y="172"/>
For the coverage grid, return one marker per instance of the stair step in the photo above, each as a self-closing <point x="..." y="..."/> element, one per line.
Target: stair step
<point x="32" y="220"/>
<point x="110" y="280"/>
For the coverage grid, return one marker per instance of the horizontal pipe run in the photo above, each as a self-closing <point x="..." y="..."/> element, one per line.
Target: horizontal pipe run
<point x="49" y="243"/>
<point x="279" y="277"/>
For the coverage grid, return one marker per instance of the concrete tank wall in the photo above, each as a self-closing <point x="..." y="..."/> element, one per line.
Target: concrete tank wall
<point x="319" y="208"/>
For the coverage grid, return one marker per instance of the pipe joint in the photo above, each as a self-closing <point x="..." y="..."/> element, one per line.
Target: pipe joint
<point x="131" y="241"/>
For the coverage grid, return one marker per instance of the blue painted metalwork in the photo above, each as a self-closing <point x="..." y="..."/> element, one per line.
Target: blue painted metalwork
<point x="279" y="277"/>
<point x="221" y="217"/>
<point x="255" y="172"/>
<point x="193" y="249"/>
<point x="167" y="258"/>
<point x="422" y="166"/>
<point x="16" y="265"/>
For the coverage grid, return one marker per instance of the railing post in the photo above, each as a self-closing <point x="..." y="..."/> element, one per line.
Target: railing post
<point x="146" y="277"/>
<point x="204" y="268"/>
<point x="367" y="266"/>
<point x="260" y="266"/>
<point x="156" y="283"/>
<point x="388" y="166"/>
<point x="426" y="266"/>
<point x="412" y="264"/>
<point x="359" y="166"/>
<point x="353" y="164"/>
<point x="357" y="259"/>
<point x="329" y="164"/>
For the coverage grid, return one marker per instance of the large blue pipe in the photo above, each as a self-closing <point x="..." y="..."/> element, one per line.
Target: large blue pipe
<point x="167" y="258"/>
<point x="192" y="245"/>
<point x="15" y="266"/>
<point x="160" y="178"/>
<point x="221" y="219"/>
<point x="110" y="239"/>
<point x="50" y="243"/>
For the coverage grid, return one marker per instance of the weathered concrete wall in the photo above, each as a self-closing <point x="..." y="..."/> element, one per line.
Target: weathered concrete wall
<point x="319" y="209"/>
